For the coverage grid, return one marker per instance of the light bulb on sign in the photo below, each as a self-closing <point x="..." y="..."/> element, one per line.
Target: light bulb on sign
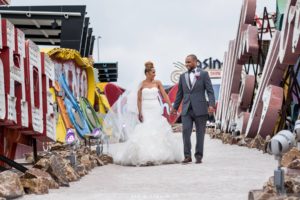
<point x="96" y="132"/>
<point x="70" y="137"/>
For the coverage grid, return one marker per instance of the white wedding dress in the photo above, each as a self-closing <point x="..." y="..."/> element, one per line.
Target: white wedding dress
<point x="152" y="142"/>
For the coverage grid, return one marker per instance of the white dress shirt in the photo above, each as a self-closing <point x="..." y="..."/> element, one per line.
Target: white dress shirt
<point x="192" y="77"/>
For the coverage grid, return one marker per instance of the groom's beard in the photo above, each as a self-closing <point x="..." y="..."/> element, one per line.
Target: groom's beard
<point x="191" y="68"/>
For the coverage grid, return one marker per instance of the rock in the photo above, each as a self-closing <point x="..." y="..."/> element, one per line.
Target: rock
<point x="99" y="162"/>
<point x="85" y="160"/>
<point x="93" y="152"/>
<point x="34" y="186"/>
<point x="267" y="141"/>
<point x="295" y="184"/>
<point x="211" y="133"/>
<point x="10" y="185"/>
<point x="43" y="164"/>
<point x="64" y="154"/>
<point x="248" y="141"/>
<point x="79" y="153"/>
<point x="94" y="163"/>
<point x="83" y="151"/>
<point x="54" y="166"/>
<point x="291" y="184"/>
<point x="290" y="156"/>
<point x="269" y="186"/>
<point x="288" y="184"/>
<point x="227" y="139"/>
<point x="292" y="188"/>
<point x="70" y="173"/>
<point x="260" y="195"/>
<point x="219" y="136"/>
<point x="60" y="170"/>
<point x="57" y="147"/>
<point x="80" y="169"/>
<point x="35" y="173"/>
<point x="241" y="141"/>
<point x="259" y="143"/>
<point x="295" y="164"/>
<point x="296" y="188"/>
<point x="106" y="159"/>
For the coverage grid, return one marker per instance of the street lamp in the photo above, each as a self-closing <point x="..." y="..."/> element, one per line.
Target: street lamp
<point x="281" y="143"/>
<point x="98" y="38"/>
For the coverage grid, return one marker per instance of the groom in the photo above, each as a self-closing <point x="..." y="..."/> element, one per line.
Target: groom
<point x="191" y="90"/>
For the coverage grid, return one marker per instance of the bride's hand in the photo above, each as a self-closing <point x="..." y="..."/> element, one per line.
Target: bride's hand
<point x="141" y="117"/>
<point x="173" y="111"/>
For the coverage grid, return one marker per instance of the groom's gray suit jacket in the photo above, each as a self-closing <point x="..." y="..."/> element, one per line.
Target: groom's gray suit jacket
<point x="194" y="95"/>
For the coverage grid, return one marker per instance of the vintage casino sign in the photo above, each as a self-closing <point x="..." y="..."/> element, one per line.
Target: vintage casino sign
<point x="19" y="60"/>
<point x="78" y="72"/>
<point x="48" y="78"/>
<point x="213" y="73"/>
<point x="32" y="84"/>
<point x="210" y="63"/>
<point x="14" y="110"/>
<point x="284" y="50"/>
<point x="26" y="77"/>
<point x="33" y="72"/>
<point x="75" y="77"/>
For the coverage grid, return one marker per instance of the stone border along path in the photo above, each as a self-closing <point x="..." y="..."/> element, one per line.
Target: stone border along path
<point x="227" y="172"/>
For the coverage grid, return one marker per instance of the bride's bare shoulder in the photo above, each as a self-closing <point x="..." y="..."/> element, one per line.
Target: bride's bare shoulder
<point x="158" y="82"/>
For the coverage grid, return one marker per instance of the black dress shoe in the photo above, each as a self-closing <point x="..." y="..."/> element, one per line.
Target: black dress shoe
<point x="198" y="160"/>
<point x="187" y="160"/>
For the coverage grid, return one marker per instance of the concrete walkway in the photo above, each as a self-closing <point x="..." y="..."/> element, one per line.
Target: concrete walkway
<point x="227" y="172"/>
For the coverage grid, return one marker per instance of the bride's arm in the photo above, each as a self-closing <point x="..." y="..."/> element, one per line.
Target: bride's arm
<point x="164" y="94"/>
<point x="139" y="103"/>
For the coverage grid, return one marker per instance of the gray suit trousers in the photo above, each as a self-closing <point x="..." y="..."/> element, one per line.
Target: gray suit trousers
<point x="187" y="125"/>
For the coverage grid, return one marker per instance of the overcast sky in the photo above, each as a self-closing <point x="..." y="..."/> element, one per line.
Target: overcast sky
<point x="164" y="31"/>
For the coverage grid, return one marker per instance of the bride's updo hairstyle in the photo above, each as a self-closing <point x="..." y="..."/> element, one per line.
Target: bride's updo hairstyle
<point x="149" y="66"/>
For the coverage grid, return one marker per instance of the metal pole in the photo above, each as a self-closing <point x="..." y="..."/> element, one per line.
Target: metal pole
<point x="98" y="38"/>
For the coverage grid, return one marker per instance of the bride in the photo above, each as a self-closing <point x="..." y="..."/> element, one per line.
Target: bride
<point x="152" y="141"/>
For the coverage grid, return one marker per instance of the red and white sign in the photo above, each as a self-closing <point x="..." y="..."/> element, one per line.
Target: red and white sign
<point x="214" y="73"/>
<point x="48" y="78"/>
<point x="33" y="74"/>
<point x="17" y="78"/>
<point x="7" y="72"/>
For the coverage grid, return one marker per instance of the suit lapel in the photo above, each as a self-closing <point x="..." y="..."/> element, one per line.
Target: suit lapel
<point x="186" y="75"/>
